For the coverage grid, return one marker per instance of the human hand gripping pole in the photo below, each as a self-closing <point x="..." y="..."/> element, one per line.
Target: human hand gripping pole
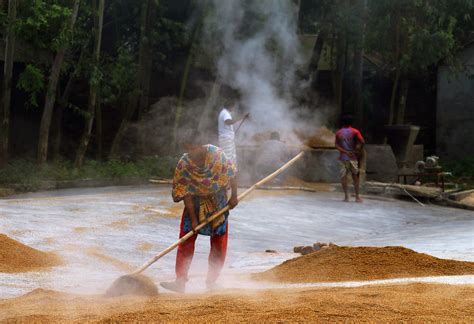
<point x="243" y="119"/>
<point x="217" y="214"/>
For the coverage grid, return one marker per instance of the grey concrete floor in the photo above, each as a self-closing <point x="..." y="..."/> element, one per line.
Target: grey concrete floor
<point x="100" y="231"/>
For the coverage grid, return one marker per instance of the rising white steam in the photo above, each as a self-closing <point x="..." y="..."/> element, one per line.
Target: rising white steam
<point x="258" y="53"/>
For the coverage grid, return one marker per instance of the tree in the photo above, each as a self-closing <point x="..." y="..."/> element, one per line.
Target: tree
<point x="411" y="36"/>
<point x="98" y="13"/>
<point x="139" y="99"/>
<point x="184" y="81"/>
<point x="64" y="101"/>
<point x="7" y="83"/>
<point x="52" y="88"/>
<point x="358" y="63"/>
<point x="339" y="28"/>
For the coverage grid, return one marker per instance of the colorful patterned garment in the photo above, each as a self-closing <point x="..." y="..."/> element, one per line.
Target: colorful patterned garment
<point x="207" y="185"/>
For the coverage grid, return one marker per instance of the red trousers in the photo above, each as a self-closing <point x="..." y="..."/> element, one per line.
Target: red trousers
<point x="185" y="254"/>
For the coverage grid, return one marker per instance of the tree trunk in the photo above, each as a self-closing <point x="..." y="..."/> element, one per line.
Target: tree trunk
<point x="7" y="83"/>
<point x="98" y="130"/>
<point x="179" y="108"/>
<point x="114" y="150"/>
<point x="146" y="66"/>
<point x="297" y="7"/>
<point x="402" y="101"/>
<point x="206" y="117"/>
<point x="338" y="75"/>
<point x="145" y="57"/>
<point x="94" y="84"/>
<point x="314" y="62"/>
<point x="142" y="81"/>
<point x="51" y="93"/>
<point x="393" y="97"/>
<point x="184" y="81"/>
<point x="359" y="64"/>
<point x="64" y="99"/>
<point x="56" y="132"/>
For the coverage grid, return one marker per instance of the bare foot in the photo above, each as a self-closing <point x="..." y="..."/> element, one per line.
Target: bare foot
<point x="359" y="200"/>
<point x="346" y="199"/>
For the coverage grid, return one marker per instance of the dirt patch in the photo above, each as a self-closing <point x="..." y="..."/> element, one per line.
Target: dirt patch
<point x="162" y="210"/>
<point x="5" y="192"/>
<point x="407" y="303"/>
<point x="175" y="209"/>
<point x="144" y="246"/>
<point x="120" y="223"/>
<point x="19" y="232"/>
<point x="49" y="240"/>
<point x="98" y="254"/>
<point x="17" y="257"/>
<point x="469" y="200"/>
<point x="363" y="263"/>
<point x="80" y="229"/>
<point x="292" y="181"/>
<point x="170" y="210"/>
<point x="261" y="193"/>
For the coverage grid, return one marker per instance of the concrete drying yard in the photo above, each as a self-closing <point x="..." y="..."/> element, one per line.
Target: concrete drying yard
<point x="103" y="233"/>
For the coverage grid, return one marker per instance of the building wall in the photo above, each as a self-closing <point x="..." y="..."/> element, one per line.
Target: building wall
<point x="455" y="109"/>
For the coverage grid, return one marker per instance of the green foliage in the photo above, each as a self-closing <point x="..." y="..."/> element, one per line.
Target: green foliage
<point x="3" y="19"/>
<point x="462" y="171"/>
<point x="461" y="168"/>
<point x="121" y="71"/>
<point x="40" y="23"/>
<point x="28" y="176"/>
<point x="430" y="30"/>
<point x="31" y="81"/>
<point x="412" y="34"/>
<point x="96" y="76"/>
<point x="167" y="38"/>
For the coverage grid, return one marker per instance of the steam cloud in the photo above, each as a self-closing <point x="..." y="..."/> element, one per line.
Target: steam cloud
<point x="259" y="52"/>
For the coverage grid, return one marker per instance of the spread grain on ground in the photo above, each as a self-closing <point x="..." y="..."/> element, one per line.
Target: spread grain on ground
<point x="363" y="263"/>
<point x="386" y="303"/>
<point x="17" y="257"/>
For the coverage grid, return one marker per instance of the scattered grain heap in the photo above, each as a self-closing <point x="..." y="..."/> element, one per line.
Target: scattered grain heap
<point x="469" y="200"/>
<point x="336" y="263"/>
<point x="17" y="257"/>
<point x="320" y="138"/>
<point x="138" y="285"/>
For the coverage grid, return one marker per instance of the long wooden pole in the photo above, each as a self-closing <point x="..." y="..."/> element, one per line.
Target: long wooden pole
<point x="217" y="214"/>
<point x="240" y="124"/>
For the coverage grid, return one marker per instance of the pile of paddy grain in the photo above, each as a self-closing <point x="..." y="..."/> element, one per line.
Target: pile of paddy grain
<point x="17" y="257"/>
<point x="320" y="138"/>
<point x="469" y="200"/>
<point x="363" y="263"/>
<point x="292" y="181"/>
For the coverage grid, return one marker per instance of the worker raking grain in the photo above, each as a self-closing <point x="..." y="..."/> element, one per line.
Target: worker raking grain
<point x="202" y="178"/>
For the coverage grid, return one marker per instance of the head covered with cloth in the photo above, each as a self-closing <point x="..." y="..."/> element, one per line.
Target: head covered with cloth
<point x="201" y="180"/>
<point x="204" y="170"/>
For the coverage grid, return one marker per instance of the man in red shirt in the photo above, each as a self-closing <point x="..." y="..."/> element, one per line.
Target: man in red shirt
<point x="349" y="143"/>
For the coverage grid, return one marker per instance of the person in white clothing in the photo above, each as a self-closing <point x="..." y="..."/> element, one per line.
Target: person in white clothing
<point x="225" y="124"/>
